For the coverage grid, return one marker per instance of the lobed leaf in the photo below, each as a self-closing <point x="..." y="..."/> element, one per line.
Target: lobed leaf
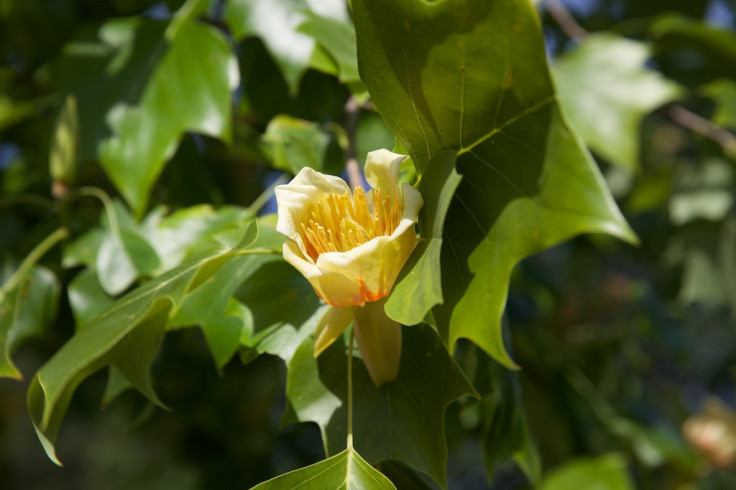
<point x="277" y="23"/>
<point x="606" y="91"/>
<point x="602" y="473"/>
<point x="26" y="311"/>
<point x="472" y="77"/>
<point x="149" y="81"/>
<point x="125" y="336"/>
<point x="345" y="470"/>
<point x="402" y="420"/>
<point x="419" y="286"/>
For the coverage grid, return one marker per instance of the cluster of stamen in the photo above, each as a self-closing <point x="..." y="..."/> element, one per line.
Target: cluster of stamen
<point x="340" y="222"/>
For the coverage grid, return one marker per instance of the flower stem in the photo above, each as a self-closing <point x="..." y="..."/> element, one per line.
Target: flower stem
<point x="350" y="389"/>
<point x="33" y="257"/>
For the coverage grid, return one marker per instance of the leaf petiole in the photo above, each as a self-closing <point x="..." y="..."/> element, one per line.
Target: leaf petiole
<point x="33" y="257"/>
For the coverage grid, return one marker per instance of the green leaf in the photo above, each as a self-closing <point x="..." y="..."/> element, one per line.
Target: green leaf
<point x="296" y="143"/>
<point x="710" y="52"/>
<point x="86" y="296"/>
<point x="212" y="307"/>
<point x="699" y="247"/>
<point x="123" y="257"/>
<point x="606" y="91"/>
<point x="83" y="250"/>
<point x="283" y="308"/>
<point x="402" y="420"/>
<point x="197" y="231"/>
<point x="126" y="336"/>
<point x="723" y="91"/>
<point x="140" y="85"/>
<point x="26" y="311"/>
<point x="602" y="473"/>
<point x="188" y="91"/>
<point x="702" y="191"/>
<point x="337" y="38"/>
<point x="257" y="303"/>
<point x="471" y="76"/>
<point x="419" y="286"/>
<point x="346" y="470"/>
<point x="277" y="23"/>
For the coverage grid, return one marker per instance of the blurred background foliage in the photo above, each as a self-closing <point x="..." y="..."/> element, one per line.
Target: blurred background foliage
<point x="619" y="345"/>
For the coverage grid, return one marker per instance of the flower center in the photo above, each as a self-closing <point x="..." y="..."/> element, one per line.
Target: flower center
<point x="341" y="222"/>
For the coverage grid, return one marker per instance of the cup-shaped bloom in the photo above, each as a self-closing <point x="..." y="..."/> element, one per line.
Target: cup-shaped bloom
<point x="351" y="247"/>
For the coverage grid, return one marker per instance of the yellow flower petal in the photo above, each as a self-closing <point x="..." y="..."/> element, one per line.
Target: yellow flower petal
<point x="293" y="199"/>
<point x="351" y="247"/>
<point x="382" y="171"/>
<point x="332" y="287"/>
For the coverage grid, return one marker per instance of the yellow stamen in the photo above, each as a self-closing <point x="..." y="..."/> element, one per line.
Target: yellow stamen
<point x="341" y="222"/>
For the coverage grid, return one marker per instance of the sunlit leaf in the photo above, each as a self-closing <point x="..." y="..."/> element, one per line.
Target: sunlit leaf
<point x="602" y="473"/>
<point x="197" y="231"/>
<point x="276" y="22"/>
<point x="402" y="420"/>
<point x="606" y="91"/>
<point x="140" y="85"/>
<point x="703" y="191"/>
<point x="83" y="250"/>
<point x="337" y="38"/>
<point x="346" y="470"/>
<point x="472" y="77"/>
<point x="86" y="296"/>
<point x="295" y="143"/>
<point x="123" y="257"/>
<point x="419" y="286"/>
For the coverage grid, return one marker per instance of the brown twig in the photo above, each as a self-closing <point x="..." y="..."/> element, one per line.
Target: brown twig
<point x="704" y="127"/>
<point x="352" y="115"/>
<point x="677" y="113"/>
<point x="565" y="20"/>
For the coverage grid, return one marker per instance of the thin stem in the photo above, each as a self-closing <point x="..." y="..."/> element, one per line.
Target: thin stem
<point x="350" y="388"/>
<point x="565" y="20"/>
<point x="352" y="168"/>
<point x="704" y="127"/>
<point x="33" y="257"/>
<point x="106" y="201"/>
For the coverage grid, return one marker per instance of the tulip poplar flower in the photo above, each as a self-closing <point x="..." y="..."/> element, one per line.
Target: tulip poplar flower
<point x="351" y="246"/>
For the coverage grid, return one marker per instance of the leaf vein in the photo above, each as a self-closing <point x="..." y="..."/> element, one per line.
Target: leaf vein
<point x="526" y="112"/>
